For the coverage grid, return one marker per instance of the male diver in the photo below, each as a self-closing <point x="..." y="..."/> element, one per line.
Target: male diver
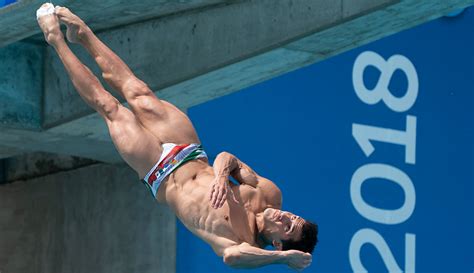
<point x="159" y="142"/>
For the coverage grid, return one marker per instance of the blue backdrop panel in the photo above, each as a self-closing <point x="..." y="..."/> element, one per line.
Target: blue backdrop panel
<point x="387" y="175"/>
<point x="6" y="2"/>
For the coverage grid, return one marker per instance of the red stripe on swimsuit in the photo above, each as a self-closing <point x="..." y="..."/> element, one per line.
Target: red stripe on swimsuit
<point x="171" y="155"/>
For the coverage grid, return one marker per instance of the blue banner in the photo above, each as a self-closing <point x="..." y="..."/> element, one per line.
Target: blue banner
<point x="375" y="145"/>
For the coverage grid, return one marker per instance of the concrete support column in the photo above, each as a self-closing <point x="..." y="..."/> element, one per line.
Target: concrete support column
<point x="99" y="218"/>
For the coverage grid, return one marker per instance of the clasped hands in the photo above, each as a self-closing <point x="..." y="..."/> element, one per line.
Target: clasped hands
<point x="220" y="189"/>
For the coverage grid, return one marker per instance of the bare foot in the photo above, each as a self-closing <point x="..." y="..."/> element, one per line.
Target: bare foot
<point x="49" y="24"/>
<point x="76" y="28"/>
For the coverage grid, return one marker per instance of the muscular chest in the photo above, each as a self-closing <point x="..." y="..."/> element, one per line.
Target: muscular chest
<point x="251" y="199"/>
<point x="237" y="221"/>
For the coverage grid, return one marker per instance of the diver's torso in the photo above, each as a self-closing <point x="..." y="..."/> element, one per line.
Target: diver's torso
<point x="187" y="192"/>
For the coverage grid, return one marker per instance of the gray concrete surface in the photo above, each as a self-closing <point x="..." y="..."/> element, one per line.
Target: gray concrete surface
<point x="18" y="20"/>
<point x="32" y="165"/>
<point x="98" y="218"/>
<point x="21" y="81"/>
<point x="221" y="48"/>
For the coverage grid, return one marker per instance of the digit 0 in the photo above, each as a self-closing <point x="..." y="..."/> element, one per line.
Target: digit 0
<point x="378" y="215"/>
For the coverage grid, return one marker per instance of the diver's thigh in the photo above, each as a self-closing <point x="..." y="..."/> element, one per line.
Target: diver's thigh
<point x="169" y="124"/>
<point x="137" y="146"/>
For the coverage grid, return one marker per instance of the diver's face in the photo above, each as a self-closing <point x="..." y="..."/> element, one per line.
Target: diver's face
<point x="282" y="225"/>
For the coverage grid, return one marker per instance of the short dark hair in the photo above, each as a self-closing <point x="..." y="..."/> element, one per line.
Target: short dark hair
<point x="308" y="240"/>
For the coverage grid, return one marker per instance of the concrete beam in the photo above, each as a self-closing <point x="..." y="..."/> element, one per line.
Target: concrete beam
<point x="208" y="39"/>
<point x="220" y="50"/>
<point x="6" y="152"/>
<point x="63" y="143"/>
<point x="31" y="165"/>
<point x="18" y="20"/>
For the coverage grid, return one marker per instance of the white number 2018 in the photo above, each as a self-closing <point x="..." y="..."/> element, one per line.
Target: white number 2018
<point x="364" y="135"/>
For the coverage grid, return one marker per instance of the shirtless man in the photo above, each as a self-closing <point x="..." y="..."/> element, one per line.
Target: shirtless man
<point x="238" y="221"/>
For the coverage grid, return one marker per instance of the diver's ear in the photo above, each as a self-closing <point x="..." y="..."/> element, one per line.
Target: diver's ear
<point x="277" y="244"/>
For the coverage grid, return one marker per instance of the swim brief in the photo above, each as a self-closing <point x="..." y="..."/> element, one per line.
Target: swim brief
<point x="172" y="157"/>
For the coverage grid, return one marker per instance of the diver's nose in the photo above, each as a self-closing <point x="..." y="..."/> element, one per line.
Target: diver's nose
<point x="288" y="215"/>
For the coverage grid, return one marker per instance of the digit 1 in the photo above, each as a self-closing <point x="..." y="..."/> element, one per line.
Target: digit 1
<point x="363" y="134"/>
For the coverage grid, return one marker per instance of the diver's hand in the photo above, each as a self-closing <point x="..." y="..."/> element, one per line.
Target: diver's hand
<point x="220" y="188"/>
<point x="298" y="260"/>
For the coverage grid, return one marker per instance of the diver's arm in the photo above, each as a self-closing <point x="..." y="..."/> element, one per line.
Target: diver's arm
<point x="247" y="256"/>
<point x="226" y="165"/>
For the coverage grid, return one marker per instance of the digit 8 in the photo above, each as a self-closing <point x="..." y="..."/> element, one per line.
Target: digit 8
<point x="381" y="91"/>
